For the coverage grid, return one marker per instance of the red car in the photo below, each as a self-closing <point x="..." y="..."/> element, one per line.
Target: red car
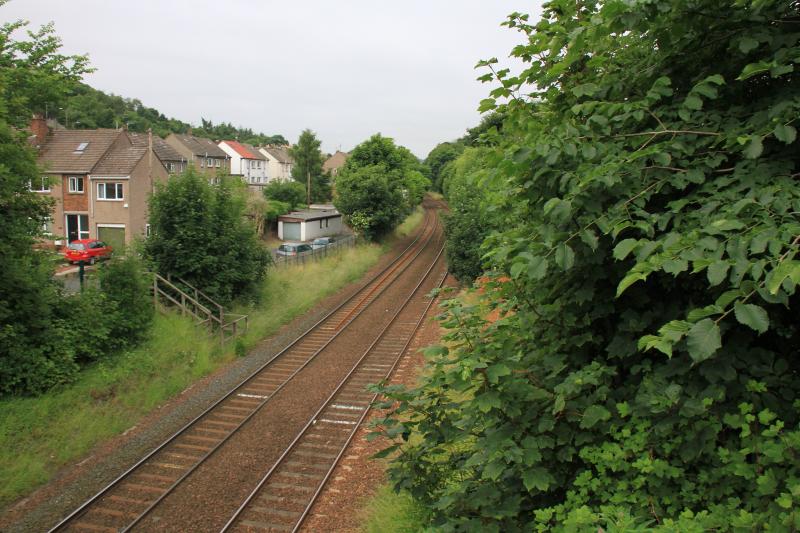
<point x="87" y="250"/>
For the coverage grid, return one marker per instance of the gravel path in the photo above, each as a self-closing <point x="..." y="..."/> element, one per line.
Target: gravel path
<point x="76" y="483"/>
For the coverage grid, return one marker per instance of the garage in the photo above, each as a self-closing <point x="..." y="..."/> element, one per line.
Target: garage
<point x="291" y="231"/>
<point x="112" y="235"/>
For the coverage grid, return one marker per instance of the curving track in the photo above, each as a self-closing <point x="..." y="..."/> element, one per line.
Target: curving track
<point x="129" y="501"/>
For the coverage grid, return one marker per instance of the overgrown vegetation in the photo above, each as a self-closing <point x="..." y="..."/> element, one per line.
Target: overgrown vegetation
<point x="378" y="186"/>
<point x="199" y="235"/>
<point x="643" y="372"/>
<point x="41" y="434"/>
<point x="45" y="335"/>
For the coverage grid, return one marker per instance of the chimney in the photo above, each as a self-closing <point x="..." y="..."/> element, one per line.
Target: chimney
<point x="39" y="130"/>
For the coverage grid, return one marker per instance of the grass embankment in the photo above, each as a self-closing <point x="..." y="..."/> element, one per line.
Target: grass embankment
<point x="39" y="435"/>
<point x="390" y="512"/>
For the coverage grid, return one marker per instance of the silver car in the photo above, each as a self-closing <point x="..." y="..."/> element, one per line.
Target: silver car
<point x="322" y="242"/>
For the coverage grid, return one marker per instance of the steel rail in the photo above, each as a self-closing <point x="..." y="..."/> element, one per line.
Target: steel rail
<point x="401" y="257"/>
<point x="330" y="398"/>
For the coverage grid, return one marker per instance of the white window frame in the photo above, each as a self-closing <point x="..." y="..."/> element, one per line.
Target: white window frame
<point x="219" y="163"/>
<point x="45" y="185"/>
<point x="73" y="185"/>
<point x="117" y="186"/>
<point x="202" y="163"/>
<point x="209" y="162"/>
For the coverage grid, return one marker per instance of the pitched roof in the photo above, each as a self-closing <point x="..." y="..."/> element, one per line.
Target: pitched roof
<point x="60" y="151"/>
<point x="280" y="153"/>
<point x="120" y="160"/>
<point x="335" y="161"/>
<point x="164" y="152"/>
<point x="247" y="151"/>
<point x="200" y="146"/>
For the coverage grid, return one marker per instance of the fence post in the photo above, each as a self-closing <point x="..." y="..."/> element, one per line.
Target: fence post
<point x="155" y="292"/>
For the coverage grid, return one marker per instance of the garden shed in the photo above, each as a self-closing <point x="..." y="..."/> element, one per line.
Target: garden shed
<point x="309" y="224"/>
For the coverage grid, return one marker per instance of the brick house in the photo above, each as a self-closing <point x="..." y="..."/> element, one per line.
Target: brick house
<point x="204" y="154"/>
<point x="99" y="179"/>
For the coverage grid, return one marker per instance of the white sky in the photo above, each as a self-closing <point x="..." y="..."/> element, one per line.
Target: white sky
<point x="346" y="69"/>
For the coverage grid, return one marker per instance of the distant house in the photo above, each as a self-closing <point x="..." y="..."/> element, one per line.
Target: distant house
<point x="309" y="224"/>
<point x="280" y="162"/>
<point x="335" y="162"/>
<point x="173" y="161"/>
<point x="247" y="162"/>
<point x="99" y="179"/>
<point x="206" y="156"/>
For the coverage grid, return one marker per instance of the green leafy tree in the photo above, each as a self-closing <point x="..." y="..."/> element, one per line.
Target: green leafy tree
<point x="199" y="235"/>
<point x="33" y="320"/>
<point x="291" y="193"/>
<point x="645" y="273"/>
<point x="378" y="185"/>
<point x="442" y="154"/>
<point x="372" y="198"/>
<point x="467" y="223"/>
<point x="308" y="162"/>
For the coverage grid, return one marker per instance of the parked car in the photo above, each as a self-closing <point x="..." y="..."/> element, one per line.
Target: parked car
<point x="87" y="250"/>
<point x="293" y="248"/>
<point x="322" y="242"/>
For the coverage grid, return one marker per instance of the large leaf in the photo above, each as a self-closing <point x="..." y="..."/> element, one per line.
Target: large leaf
<point x="703" y="340"/>
<point x="752" y="315"/>
<point x="536" y="478"/>
<point x="593" y="415"/>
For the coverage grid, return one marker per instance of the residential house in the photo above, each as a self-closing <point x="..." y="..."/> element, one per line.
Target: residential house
<point x="173" y="161"/>
<point x="280" y="162"/>
<point x="100" y="181"/>
<point x="335" y="162"/>
<point x="247" y="162"/>
<point x="206" y="156"/>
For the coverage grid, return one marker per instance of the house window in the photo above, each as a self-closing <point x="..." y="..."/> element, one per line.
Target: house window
<point x="109" y="191"/>
<point x="171" y="167"/>
<point x="40" y="185"/>
<point x="76" y="184"/>
<point x="209" y="162"/>
<point x="202" y="163"/>
<point x="47" y="226"/>
<point x="218" y="163"/>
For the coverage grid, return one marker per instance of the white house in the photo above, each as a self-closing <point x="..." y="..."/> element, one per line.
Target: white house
<point x="247" y="162"/>
<point x="309" y="224"/>
<point x="280" y="162"/>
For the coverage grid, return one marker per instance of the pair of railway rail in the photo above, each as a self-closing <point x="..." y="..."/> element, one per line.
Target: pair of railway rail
<point x="284" y="496"/>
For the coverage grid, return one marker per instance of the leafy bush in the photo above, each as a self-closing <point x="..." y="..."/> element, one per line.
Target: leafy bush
<point x="644" y="363"/>
<point x="291" y="193"/>
<point x="129" y="302"/>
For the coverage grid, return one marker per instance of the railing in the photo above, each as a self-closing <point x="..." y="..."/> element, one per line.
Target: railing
<point x="194" y="303"/>
<point x="336" y="246"/>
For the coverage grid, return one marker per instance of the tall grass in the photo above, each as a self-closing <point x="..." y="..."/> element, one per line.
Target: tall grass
<point x="39" y="435"/>
<point x="392" y="512"/>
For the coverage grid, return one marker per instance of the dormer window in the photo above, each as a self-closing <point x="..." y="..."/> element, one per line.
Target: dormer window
<point x="81" y="148"/>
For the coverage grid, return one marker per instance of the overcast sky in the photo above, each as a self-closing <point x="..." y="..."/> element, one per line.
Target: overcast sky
<point x="346" y="69"/>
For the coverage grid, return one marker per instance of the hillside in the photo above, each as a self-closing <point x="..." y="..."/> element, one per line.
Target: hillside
<point x="89" y="108"/>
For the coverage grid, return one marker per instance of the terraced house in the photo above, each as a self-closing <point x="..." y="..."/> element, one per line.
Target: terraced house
<point x="246" y="162"/>
<point x="203" y="153"/>
<point x="99" y="179"/>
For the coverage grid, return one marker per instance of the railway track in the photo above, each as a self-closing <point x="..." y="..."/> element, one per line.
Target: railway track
<point x="285" y="495"/>
<point x="129" y="499"/>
